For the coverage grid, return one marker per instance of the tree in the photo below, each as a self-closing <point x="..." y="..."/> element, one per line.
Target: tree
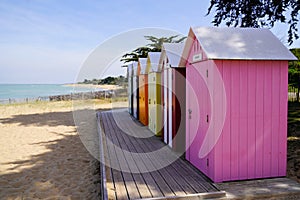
<point x="140" y="52"/>
<point x="157" y="43"/>
<point x="294" y="71"/>
<point x="257" y="13"/>
<point x="154" y="46"/>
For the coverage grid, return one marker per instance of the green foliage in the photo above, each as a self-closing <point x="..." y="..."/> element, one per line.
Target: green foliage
<point x="257" y="13"/>
<point x="120" y="80"/>
<point x="294" y="68"/>
<point x="294" y="71"/>
<point x="157" y="43"/>
<point x="154" y="46"/>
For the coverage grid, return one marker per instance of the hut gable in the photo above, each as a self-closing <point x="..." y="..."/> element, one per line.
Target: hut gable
<point x="153" y="61"/>
<point x="238" y="44"/>
<point x="173" y="52"/>
<point x="143" y="65"/>
<point x="136" y="69"/>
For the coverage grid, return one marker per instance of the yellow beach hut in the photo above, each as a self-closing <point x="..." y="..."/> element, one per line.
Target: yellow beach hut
<point x="154" y="93"/>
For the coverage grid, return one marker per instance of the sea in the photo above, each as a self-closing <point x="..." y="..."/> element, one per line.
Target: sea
<point x="27" y="92"/>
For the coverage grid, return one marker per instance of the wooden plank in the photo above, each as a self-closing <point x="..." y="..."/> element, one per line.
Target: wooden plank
<point x="251" y="120"/>
<point x="267" y="128"/>
<point x="158" y="177"/>
<point x="226" y="165"/>
<point x="127" y="177"/>
<point x="177" y="179"/>
<point x="218" y="100"/>
<point x="182" y="178"/>
<point x="140" y="160"/>
<point x="259" y="119"/>
<point x="191" y="178"/>
<point x="235" y="119"/>
<point x="103" y="167"/>
<point x="210" y="195"/>
<point x="172" y="172"/>
<point x="139" y="181"/>
<point x="109" y="187"/>
<point x="183" y="166"/>
<point x="275" y="117"/>
<point x="151" y="164"/>
<point x="282" y="144"/>
<point x="243" y="133"/>
<point x="198" y="176"/>
<point x="169" y="178"/>
<point x="117" y="178"/>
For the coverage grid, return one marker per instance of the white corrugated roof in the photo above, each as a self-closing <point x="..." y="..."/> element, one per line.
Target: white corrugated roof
<point x="174" y="53"/>
<point x="154" y="61"/>
<point x="143" y="65"/>
<point x="134" y="68"/>
<point x="241" y="43"/>
<point x="130" y="69"/>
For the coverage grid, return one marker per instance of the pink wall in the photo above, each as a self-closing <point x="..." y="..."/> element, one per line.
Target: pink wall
<point x="252" y="143"/>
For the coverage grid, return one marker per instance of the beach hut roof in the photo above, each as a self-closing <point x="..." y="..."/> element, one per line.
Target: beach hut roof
<point x="135" y="68"/>
<point x="130" y="69"/>
<point x="154" y="61"/>
<point x="174" y="51"/>
<point x="143" y="65"/>
<point x="239" y="43"/>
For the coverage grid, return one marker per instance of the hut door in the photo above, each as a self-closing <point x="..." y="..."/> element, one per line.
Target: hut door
<point x="170" y="107"/>
<point x="165" y="103"/>
<point x="197" y="115"/>
<point x="150" y="107"/>
<point x="134" y="95"/>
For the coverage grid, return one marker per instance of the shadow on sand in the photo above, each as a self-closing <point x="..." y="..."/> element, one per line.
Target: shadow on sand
<point x="65" y="170"/>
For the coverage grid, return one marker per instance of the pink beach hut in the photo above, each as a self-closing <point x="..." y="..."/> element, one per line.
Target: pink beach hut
<point x="236" y="89"/>
<point x="173" y="69"/>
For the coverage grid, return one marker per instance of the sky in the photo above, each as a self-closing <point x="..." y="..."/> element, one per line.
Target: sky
<point x="65" y="41"/>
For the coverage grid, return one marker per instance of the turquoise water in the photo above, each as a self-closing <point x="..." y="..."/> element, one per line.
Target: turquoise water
<point x="34" y="91"/>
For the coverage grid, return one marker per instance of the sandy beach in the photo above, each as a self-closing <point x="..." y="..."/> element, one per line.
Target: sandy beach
<point x="42" y="155"/>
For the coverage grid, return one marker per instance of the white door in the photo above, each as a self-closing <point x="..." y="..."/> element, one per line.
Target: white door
<point x="170" y="106"/>
<point x="165" y="106"/>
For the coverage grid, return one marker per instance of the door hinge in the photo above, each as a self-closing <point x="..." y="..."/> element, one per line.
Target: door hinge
<point x="207" y="162"/>
<point x="207" y="118"/>
<point x="207" y="73"/>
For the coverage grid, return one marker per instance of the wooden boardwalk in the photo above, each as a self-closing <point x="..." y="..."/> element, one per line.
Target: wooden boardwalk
<point x="138" y="165"/>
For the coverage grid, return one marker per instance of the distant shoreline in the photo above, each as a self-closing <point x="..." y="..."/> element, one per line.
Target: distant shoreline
<point x="104" y="87"/>
<point x="70" y="89"/>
